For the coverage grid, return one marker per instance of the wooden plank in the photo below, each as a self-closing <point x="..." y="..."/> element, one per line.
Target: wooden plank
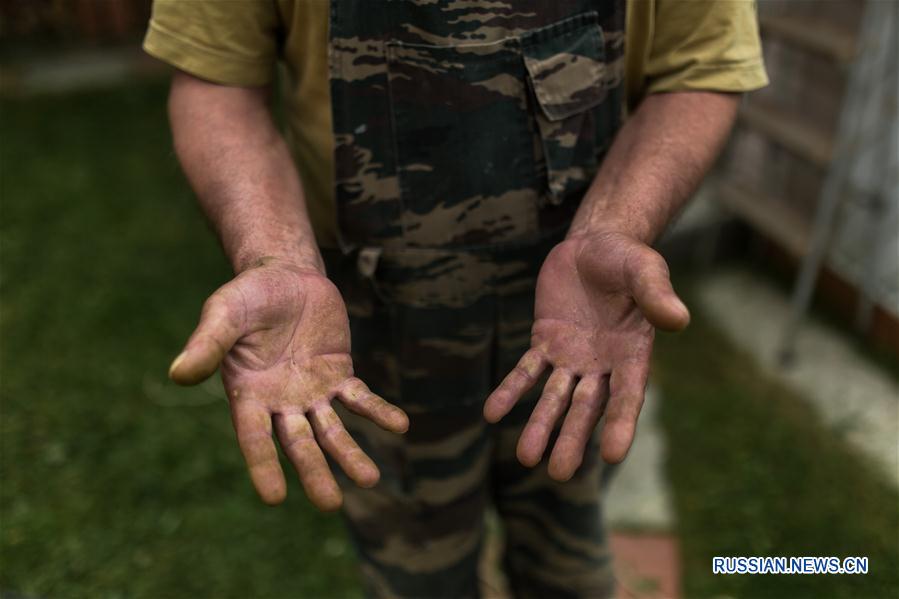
<point x="787" y="130"/>
<point x="770" y="215"/>
<point x="816" y="36"/>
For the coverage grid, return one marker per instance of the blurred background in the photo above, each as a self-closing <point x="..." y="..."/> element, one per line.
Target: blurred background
<point x="772" y="424"/>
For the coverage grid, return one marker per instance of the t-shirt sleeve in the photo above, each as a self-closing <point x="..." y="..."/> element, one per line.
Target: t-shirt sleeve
<point x="710" y="45"/>
<point x="233" y="42"/>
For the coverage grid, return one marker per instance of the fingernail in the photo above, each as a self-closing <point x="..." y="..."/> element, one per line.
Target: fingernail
<point x="176" y="362"/>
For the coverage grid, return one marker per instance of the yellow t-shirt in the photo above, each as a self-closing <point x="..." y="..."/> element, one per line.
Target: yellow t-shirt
<point x="670" y="45"/>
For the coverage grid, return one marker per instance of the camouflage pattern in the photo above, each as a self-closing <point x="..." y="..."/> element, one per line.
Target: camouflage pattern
<point x="570" y="84"/>
<point x="462" y="123"/>
<point x="466" y="132"/>
<point x="423" y="357"/>
<point x="420" y="531"/>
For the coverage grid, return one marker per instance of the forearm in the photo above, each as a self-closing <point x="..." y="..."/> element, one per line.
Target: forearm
<point x="655" y="163"/>
<point x="242" y="172"/>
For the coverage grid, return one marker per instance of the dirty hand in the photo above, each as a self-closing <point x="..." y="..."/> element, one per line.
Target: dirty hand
<point x="598" y="300"/>
<point x="281" y="335"/>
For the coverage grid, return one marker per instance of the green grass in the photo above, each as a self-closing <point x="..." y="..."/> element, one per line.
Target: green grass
<point x="113" y="482"/>
<point x="756" y="473"/>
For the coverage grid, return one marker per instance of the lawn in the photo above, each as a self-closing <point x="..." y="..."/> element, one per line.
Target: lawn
<point x="755" y="472"/>
<point x="116" y="483"/>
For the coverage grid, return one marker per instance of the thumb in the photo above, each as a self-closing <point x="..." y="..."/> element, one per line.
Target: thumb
<point x="650" y="285"/>
<point x="221" y="325"/>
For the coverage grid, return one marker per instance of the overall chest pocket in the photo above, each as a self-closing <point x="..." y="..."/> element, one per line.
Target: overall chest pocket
<point x="464" y="142"/>
<point x="575" y="116"/>
<point x="484" y="132"/>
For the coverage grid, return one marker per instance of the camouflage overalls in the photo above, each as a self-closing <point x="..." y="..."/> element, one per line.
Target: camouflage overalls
<point x="466" y="133"/>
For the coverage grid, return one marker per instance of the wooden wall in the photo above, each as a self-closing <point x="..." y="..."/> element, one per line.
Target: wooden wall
<point x="780" y="155"/>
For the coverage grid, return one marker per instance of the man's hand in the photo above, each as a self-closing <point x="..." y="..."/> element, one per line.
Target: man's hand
<point x="281" y="335"/>
<point x="602" y="290"/>
<point x="599" y="298"/>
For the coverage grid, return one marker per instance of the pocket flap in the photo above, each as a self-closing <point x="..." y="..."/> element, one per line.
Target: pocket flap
<point x="565" y="64"/>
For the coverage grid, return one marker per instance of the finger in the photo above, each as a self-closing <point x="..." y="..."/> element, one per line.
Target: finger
<point x="298" y="442"/>
<point x="627" y="387"/>
<point x="650" y="284"/>
<point x="253" y="425"/>
<point x="333" y="436"/>
<point x="221" y="325"/>
<point x="587" y="404"/>
<point x="550" y="407"/>
<point x="357" y="397"/>
<point x="516" y="384"/>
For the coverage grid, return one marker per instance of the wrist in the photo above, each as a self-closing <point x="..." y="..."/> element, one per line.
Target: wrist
<point x="609" y="211"/>
<point x="598" y="215"/>
<point x="603" y="224"/>
<point x="304" y="259"/>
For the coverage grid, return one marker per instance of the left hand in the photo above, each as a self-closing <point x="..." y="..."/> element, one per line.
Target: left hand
<point x="599" y="298"/>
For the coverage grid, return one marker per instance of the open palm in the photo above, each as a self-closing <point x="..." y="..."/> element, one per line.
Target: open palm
<point x="599" y="299"/>
<point x="281" y="336"/>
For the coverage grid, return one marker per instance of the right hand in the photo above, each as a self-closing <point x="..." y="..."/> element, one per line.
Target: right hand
<point x="281" y="336"/>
